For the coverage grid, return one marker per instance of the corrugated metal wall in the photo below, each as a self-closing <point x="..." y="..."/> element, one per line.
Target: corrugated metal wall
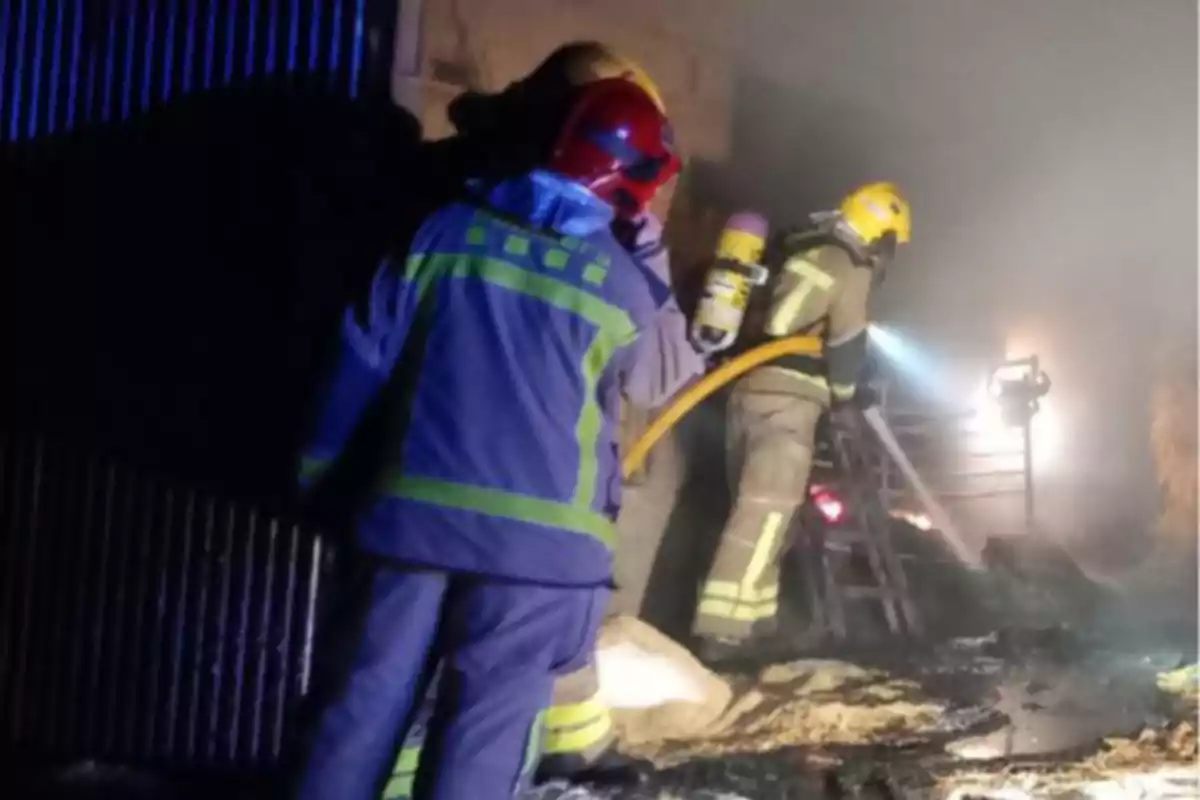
<point x="143" y="620"/>
<point x="68" y="63"/>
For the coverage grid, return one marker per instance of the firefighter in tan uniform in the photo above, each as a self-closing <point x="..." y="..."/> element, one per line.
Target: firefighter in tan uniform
<point x="821" y="288"/>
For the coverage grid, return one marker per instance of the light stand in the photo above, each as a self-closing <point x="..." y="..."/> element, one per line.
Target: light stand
<point x="1017" y="385"/>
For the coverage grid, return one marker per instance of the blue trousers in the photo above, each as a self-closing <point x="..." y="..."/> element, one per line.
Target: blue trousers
<point x="500" y="645"/>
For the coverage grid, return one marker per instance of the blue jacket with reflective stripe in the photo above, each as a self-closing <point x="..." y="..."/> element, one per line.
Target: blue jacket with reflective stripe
<point x="506" y="328"/>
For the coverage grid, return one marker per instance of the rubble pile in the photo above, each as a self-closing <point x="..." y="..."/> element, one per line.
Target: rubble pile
<point x="1022" y="713"/>
<point x="813" y="702"/>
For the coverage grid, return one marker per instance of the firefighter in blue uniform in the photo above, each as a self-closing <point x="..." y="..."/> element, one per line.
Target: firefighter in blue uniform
<point x="493" y="517"/>
<point x="496" y="132"/>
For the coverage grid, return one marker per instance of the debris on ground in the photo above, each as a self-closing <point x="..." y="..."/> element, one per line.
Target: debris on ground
<point x="1018" y="714"/>
<point x="1158" y="762"/>
<point x="805" y="703"/>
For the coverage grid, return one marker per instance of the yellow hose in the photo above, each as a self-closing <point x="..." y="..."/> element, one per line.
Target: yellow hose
<point x="685" y="402"/>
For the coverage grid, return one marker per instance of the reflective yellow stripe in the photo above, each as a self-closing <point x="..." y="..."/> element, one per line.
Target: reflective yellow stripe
<point x="407" y="760"/>
<point x="843" y="391"/>
<point x="556" y="292"/>
<point x="762" y="550"/>
<point x="591" y="418"/>
<point x="803" y="268"/>
<point x="739" y="611"/>
<point x="577" y="727"/>
<point x="533" y="747"/>
<point x="400" y="784"/>
<point x="581" y="738"/>
<point x="569" y="715"/>
<point x="729" y="590"/>
<point x="595" y="274"/>
<point x="497" y="503"/>
<point x="744" y="601"/>
<point x="398" y="787"/>
<point x="615" y="330"/>
<point x="811" y="277"/>
<point x="516" y="245"/>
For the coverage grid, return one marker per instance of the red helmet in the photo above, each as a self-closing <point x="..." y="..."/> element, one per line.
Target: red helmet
<point x="617" y="143"/>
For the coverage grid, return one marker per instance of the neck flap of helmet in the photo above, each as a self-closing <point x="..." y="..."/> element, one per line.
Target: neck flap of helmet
<point x="549" y="201"/>
<point x="874" y="255"/>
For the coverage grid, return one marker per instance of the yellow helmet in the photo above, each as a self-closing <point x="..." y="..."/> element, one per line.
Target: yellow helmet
<point x="585" y="62"/>
<point x="875" y="210"/>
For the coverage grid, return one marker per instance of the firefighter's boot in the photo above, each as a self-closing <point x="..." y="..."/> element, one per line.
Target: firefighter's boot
<point x="719" y="651"/>
<point x="766" y="645"/>
<point x="610" y="770"/>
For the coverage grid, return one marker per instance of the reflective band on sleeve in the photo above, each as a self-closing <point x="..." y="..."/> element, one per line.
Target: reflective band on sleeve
<point x="811" y="277"/>
<point x="577" y="727"/>
<point x="503" y="504"/>
<point x="591" y="419"/>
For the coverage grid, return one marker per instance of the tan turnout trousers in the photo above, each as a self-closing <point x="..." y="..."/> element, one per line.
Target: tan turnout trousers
<point x="771" y="425"/>
<point x="770" y="450"/>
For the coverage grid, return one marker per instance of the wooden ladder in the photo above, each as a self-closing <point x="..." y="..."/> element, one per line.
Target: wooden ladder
<point x="865" y="532"/>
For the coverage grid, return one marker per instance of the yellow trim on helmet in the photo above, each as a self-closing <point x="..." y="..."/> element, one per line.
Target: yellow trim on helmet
<point x="611" y="65"/>
<point x="639" y="76"/>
